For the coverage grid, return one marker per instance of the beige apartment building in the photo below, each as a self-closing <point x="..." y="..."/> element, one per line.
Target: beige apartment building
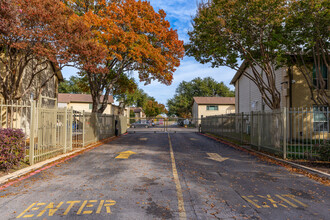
<point x="304" y="116"/>
<point x="209" y="106"/>
<point x="82" y="102"/>
<point x="290" y="83"/>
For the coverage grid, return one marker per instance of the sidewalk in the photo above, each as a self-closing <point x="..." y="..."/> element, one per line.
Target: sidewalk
<point x="38" y="167"/>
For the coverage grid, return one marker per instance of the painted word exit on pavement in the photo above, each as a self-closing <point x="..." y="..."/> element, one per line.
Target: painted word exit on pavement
<point x="274" y="201"/>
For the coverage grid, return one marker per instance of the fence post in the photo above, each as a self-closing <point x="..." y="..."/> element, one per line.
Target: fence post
<point x="284" y="113"/>
<point x="65" y="129"/>
<point x="32" y="118"/>
<point x="259" y="129"/>
<point x="251" y="128"/>
<point x="83" y="129"/>
<point x="242" y="118"/>
<point x="70" y="127"/>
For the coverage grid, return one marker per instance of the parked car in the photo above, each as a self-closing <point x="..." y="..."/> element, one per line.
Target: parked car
<point x="140" y="124"/>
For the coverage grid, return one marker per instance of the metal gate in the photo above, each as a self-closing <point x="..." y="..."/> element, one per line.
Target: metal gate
<point x="161" y="124"/>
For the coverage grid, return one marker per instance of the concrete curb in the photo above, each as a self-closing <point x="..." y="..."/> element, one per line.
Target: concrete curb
<point x="36" y="168"/>
<point x="295" y="165"/>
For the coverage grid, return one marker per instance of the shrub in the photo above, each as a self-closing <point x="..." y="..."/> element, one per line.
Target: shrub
<point x="12" y="148"/>
<point x="324" y="151"/>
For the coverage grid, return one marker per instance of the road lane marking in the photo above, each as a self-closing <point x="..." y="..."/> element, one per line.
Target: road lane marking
<point x="125" y="154"/>
<point x="193" y="139"/>
<point x="262" y="202"/>
<point x="32" y="210"/>
<point x="216" y="157"/>
<point x="182" y="211"/>
<point x="143" y="139"/>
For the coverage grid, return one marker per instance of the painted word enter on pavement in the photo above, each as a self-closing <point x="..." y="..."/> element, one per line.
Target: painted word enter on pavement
<point x="216" y="157"/>
<point x="125" y="154"/>
<point x="85" y="207"/>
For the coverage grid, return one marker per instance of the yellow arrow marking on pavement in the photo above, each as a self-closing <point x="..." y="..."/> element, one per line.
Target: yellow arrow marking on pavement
<point x="193" y="139"/>
<point x="216" y="157"/>
<point x="143" y="139"/>
<point x="125" y="154"/>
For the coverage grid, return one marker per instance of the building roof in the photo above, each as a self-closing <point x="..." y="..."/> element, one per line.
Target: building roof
<point x="215" y="100"/>
<point x="85" y="98"/>
<point x="239" y="72"/>
<point x="57" y="71"/>
<point x="136" y="109"/>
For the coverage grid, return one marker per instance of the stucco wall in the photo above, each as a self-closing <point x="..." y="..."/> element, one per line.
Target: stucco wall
<point x="301" y="96"/>
<point x="84" y="107"/>
<point x="222" y="109"/>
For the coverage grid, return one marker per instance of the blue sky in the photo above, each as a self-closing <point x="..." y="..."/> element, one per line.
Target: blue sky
<point x="179" y="13"/>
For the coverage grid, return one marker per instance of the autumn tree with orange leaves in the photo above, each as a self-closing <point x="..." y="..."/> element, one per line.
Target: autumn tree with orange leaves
<point x="135" y="38"/>
<point x="34" y="35"/>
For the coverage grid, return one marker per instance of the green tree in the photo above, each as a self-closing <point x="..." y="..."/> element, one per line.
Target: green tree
<point x="136" y="98"/>
<point x="227" y="32"/>
<point x="308" y="39"/>
<point x="181" y="103"/>
<point x="153" y="108"/>
<point x="74" y="85"/>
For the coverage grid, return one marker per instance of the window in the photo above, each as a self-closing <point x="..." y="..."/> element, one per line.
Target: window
<point x="320" y="119"/>
<point x="212" y="107"/>
<point x="91" y="106"/>
<point x="324" y="72"/>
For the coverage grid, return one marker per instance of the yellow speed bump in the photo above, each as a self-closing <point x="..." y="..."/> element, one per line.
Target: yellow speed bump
<point x="125" y="154"/>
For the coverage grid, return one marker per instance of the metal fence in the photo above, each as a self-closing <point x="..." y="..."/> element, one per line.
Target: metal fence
<point x="298" y="133"/>
<point x="51" y="131"/>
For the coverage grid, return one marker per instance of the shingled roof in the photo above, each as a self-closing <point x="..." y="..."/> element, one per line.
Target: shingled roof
<point x="215" y="100"/>
<point x="85" y="98"/>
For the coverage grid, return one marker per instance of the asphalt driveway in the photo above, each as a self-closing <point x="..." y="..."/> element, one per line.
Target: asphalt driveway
<point x="165" y="176"/>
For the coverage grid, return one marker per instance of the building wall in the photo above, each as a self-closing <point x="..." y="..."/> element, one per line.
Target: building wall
<point x="83" y="107"/>
<point x="222" y="109"/>
<point x="301" y="96"/>
<point x="51" y="88"/>
<point x="195" y="111"/>
<point x="46" y="77"/>
<point x="248" y="97"/>
<point x="237" y="96"/>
